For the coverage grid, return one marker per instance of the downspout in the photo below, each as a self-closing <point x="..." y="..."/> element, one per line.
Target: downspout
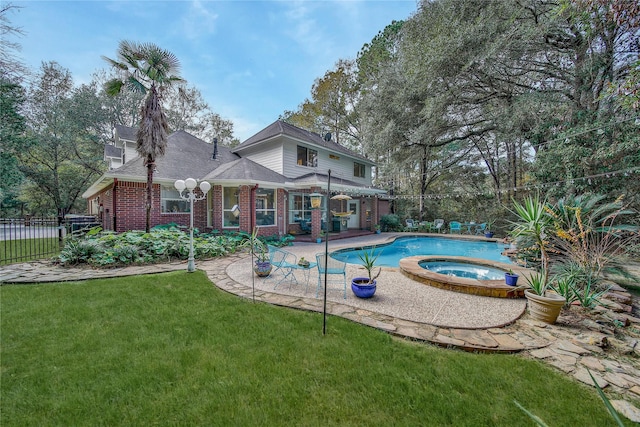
<point x="114" y="203"/>
<point x="252" y="208"/>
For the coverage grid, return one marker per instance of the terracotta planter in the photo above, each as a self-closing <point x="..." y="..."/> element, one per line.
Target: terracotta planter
<point x="361" y="287"/>
<point x="544" y="308"/>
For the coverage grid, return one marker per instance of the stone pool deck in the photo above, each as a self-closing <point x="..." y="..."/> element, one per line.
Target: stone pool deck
<point x="436" y="316"/>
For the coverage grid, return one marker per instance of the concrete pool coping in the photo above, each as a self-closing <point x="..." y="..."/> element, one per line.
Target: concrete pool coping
<point x="410" y="267"/>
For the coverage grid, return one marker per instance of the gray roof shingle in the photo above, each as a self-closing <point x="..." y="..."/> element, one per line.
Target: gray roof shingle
<point x="126" y="133"/>
<point x="185" y="156"/>
<point x="112" y="151"/>
<point x="280" y="127"/>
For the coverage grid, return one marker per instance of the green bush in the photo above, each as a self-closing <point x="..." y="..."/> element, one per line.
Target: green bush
<point x="390" y="222"/>
<point x="162" y="243"/>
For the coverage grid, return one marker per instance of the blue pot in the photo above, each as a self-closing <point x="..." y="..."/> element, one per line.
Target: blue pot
<point x="510" y="279"/>
<point x="488" y="234"/>
<point x="361" y="287"/>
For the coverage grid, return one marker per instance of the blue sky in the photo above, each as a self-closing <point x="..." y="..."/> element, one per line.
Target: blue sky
<point x="251" y="60"/>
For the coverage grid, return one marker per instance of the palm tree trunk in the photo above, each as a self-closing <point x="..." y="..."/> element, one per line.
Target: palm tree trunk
<point x="150" y="167"/>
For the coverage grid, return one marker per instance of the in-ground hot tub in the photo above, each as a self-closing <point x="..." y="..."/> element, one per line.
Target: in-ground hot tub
<point x="460" y="274"/>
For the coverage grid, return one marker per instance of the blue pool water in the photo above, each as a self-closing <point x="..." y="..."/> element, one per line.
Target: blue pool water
<point x="392" y="253"/>
<point x="462" y="269"/>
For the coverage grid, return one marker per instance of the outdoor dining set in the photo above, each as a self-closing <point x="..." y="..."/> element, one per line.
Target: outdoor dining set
<point x="438" y="226"/>
<point x="284" y="266"/>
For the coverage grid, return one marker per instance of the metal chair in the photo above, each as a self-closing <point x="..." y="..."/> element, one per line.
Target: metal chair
<point x="455" y="227"/>
<point x="333" y="267"/>
<point x="480" y="228"/>
<point x="410" y="225"/>
<point x="282" y="264"/>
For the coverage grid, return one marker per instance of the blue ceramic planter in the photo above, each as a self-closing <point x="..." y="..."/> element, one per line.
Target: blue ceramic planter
<point x="361" y="288"/>
<point x="510" y="279"/>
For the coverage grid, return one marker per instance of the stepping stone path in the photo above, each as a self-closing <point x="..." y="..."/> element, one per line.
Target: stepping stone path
<point x="609" y="350"/>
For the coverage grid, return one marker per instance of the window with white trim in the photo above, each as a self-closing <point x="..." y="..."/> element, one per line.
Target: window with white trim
<point x="300" y="207"/>
<point x="230" y="216"/>
<point x="265" y="206"/>
<point x="358" y="170"/>
<point x="170" y="201"/>
<point x="307" y="157"/>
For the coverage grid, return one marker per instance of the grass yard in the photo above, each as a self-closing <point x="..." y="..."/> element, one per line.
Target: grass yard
<point x="171" y="349"/>
<point x="25" y="250"/>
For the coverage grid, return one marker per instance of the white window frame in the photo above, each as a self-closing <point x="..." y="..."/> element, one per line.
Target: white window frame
<point x="262" y="206"/>
<point x="229" y="201"/>
<point x="170" y="199"/>
<point x="310" y="159"/>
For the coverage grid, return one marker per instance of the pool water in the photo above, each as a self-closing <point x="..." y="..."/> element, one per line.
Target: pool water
<point x="462" y="269"/>
<point x="402" y="247"/>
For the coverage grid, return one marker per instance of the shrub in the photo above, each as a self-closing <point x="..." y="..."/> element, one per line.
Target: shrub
<point x="390" y="222"/>
<point x="163" y="243"/>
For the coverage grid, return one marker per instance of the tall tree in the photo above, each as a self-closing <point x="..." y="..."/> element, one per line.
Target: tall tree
<point x="187" y="110"/>
<point x="11" y="66"/>
<point x="12" y="135"/>
<point x="62" y="153"/>
<point x="149" y="69"/>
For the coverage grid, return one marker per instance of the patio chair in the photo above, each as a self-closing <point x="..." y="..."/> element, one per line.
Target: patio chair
<point x="282" y="264"/>
<point x="437" y="224"/>
<point x="410" y="225"/>
<point x="305" y="226"/>
<point x="335" y="268"/>
<point x="480" y="228"/>
<point x="455" y="227"/>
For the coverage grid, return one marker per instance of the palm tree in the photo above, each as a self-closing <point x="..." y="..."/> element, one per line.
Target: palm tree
<point x="146" y="68"/>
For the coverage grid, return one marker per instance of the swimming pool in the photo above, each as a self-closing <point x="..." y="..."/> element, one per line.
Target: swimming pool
<point x="402" y="247"/>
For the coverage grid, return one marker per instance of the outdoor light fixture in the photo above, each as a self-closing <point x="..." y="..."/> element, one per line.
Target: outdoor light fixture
<point x="316" y="200"/>
<point x="190" y="184"/>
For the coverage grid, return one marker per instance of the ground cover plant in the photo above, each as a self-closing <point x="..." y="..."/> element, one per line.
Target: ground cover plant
<point x="172" y="349"/>
<point x="163" y="243"/>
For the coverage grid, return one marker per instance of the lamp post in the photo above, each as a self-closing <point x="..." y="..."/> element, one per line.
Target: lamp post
<point x="190" y="184"/>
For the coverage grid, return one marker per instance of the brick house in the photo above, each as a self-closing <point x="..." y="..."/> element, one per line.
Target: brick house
<point x="264" y="182"/>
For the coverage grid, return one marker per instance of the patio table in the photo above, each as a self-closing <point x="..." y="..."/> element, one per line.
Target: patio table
<point x="469" y="225"/>
<point x="290" y="276"/>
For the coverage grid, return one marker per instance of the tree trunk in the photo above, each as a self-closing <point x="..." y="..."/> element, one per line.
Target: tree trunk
<point x="150" y="167"/>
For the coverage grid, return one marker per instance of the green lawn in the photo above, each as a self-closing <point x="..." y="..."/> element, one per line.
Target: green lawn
<point x="24" y="250"/>
<point x="172" y="349"/>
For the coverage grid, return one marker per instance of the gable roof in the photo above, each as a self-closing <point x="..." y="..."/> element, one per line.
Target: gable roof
<point x="281" y="128"/>
<point x="125" y="132"/>
<point x="185" y="157"/>
<point x="245" y="170"/>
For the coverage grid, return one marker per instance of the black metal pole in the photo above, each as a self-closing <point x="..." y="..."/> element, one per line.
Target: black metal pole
<point x="326" y="254"/>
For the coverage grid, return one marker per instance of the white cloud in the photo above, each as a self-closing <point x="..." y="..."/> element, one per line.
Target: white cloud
<point x="198" y="21"/>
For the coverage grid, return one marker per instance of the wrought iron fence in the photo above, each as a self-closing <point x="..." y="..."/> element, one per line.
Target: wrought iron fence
<point x="31" y="238"/>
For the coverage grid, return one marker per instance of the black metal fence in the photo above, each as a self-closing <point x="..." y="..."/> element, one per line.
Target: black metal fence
<point x="31" y="238"/>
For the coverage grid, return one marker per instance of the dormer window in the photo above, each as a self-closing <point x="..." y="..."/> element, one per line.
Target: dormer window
<point x="358" y="170"/>
<point x="307" y="157"/>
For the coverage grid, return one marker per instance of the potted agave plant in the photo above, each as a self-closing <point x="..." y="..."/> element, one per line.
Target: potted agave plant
<point x="365" y="287"/>
<point x="544" y="306"/>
